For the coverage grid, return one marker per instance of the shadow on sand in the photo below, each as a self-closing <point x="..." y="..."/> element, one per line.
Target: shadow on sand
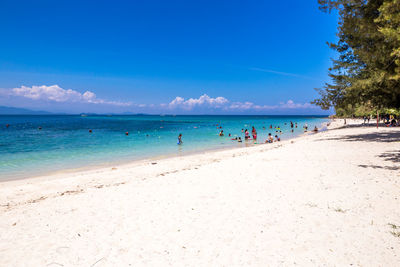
<point x="383" y="137"/>
<point x="391" y="168"/>
<point x="379" y="137"/>
<point x="393" y="156"/>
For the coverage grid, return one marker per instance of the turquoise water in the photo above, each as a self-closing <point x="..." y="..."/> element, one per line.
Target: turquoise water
<point x="35" y="145"/>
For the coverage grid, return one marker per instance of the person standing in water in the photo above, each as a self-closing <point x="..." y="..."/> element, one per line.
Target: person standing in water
<point x="246" y="134"/>
<point x="254" y="133"/>
<point x="180" y="139"/>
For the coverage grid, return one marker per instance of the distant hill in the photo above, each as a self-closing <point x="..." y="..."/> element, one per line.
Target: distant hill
<point x="21" y="111"/>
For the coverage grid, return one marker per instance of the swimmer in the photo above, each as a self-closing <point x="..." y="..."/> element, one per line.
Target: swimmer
<point x="254" y="133"/>
<point x="221" y="133"/>
<point x="315" y="129"/>
<point x="246" y="134"/>
<point x="126" y="133"/>
<point x="277" y="138"/>
<point x="240" y="140"/>
<point x="229" y="135"/>
<point x="90" y="131"/>
<point x="180" y="139"/>
<point x="7" y="125"/>
<point x="269" y="139"/>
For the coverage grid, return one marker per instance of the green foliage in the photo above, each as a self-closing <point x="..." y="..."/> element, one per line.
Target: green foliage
<point x="366" y="75"/>
<point x="389" y="26"/>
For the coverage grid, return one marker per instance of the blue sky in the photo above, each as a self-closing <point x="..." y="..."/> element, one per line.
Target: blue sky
<point x="179" y="57"/>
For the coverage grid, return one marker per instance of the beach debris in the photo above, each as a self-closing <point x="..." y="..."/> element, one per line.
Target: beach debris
<point x="69" y="192"/>
<point x="113" y="168"/>
<point x="395" y="229"/>
<point x="97" y="262"/>
<point x="311" y="205"/>
<point x="340" y="210"/>
<point x="154" y="163"/>
<point x="37" y="200"/>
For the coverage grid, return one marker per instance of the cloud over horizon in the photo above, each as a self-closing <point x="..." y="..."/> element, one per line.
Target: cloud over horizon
<point x="224" y="104"/>
<point x="57" y="94"/>
<point x="54" y="97"/>
<point x="203" y="100"/>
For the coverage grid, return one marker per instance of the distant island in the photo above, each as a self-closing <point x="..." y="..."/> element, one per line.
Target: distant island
<point x="21" y="111"/>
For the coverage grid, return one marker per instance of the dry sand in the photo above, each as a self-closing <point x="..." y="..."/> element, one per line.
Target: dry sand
<point x="329" y="199"/>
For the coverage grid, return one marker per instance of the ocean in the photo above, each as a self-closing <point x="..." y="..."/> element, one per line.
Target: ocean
<point x="41" y="144"/>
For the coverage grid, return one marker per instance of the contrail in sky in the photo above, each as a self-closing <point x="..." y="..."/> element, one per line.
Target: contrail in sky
<point x="281" y="73"/>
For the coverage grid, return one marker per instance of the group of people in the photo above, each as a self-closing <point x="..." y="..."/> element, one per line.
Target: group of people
<point x="253" y="136"/>
<point x="270" y="138"/>
<point x="393" y="123"/>
<point x="388" y="120"/>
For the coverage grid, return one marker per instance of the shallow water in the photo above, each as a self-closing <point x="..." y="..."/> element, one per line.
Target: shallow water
<point x="64" y="142"/>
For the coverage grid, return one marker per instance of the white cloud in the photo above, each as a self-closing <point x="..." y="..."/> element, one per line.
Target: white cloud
<point x="204" y="100"/>
<point x="58" y="94"/>
<point x="290" y="104"/>
<point x="223" y="103"/>
<point x="241" y="106"/>
<point x="251" y="106"/>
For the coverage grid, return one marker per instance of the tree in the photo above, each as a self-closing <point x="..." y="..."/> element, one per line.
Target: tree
<point x="366" y="73"/>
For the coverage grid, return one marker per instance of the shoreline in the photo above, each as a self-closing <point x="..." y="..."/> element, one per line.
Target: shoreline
<point x="148" y="161"/>
<point x="329" y="198"/>
<point x="82" y="173"/>
<point x="127" y="162"/>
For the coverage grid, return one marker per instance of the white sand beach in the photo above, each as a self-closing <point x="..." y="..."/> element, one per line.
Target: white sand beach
<point x="325" y="199"/>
